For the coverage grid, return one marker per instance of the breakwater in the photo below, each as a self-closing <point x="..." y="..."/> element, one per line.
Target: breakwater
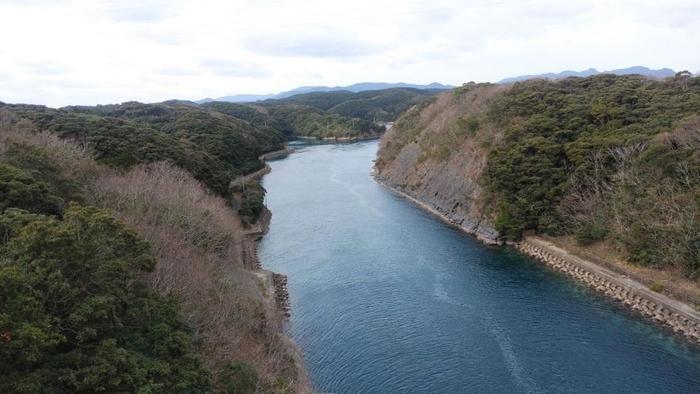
<point x="673" y="314"/>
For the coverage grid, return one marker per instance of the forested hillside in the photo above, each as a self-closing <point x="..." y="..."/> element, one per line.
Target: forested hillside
<point x="611" y="159"/>
<point x="374" y="105"/>
<point x="294" y="120"/>
<point x="214" y="147"/>
<point x="119" y="271"/>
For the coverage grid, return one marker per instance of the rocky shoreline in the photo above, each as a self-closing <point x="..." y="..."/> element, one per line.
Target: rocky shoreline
<point x="276" y="300"/>
<point x="478" y="229"/>
<point x="678" y="316"/>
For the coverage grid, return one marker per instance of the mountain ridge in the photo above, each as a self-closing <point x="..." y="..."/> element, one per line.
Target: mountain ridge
<point x="355" y="88"/>
<point x="641" y="70"/>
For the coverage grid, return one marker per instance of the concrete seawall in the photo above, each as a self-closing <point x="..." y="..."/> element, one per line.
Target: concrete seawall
<point x="679" y="317"/>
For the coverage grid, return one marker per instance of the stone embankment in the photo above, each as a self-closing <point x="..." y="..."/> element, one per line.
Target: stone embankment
<point x="276" y="155"/>
<point x="243" y="179"/>
<point x="279" y="282"/>
<point x="676" y="315"/>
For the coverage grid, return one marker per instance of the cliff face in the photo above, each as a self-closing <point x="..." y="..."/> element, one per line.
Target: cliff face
<point x="435" y="154"/>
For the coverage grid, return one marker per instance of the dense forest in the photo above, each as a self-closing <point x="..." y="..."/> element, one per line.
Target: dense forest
<point x="294" y="120"/>
<point x="605" y="158"/>
<point x="336" y="114"/>
<point x="373" y="105"/>
<point x="121" y="272"/>
<point x="214" y="147"/>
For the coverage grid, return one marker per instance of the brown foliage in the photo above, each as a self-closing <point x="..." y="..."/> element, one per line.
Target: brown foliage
<point x="198" y="242"/>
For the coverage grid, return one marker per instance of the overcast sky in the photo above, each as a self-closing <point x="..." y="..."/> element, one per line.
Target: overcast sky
<point x="87" y="52"/>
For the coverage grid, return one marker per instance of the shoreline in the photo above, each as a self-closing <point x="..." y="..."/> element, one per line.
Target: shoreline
<point x="276" y="154"/>
<point x="426" y="207"/>
<point x="340" y="139"/>
<point x="276" y="294"/>
<point x="668" y="312"/>
<point x="276" y="297"/>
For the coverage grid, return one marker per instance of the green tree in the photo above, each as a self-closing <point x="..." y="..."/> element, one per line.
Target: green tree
<point x="76" y="315"/>
<point x="21" y="190"/>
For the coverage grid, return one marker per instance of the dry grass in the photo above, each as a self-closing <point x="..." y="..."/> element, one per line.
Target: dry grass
<point x="607" y="255"/>
<point x="198" y="242"/>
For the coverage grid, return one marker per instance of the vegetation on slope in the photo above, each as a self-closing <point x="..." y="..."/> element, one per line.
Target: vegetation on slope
<point x="295" y="120"/>
<point x="157" y="296"/>
<point x="75" y="314"/>
<point x="607" y="157"/>
<point x="373" y="105"/>
<point x="214" y="147"/>
<point x="337" y="114"/>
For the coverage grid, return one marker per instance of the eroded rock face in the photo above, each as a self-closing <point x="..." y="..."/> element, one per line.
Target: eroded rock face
<point x="440" y="165"/>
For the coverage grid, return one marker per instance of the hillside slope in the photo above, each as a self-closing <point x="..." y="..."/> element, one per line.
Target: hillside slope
<point x="374" y="105"/>
<point x="127" y="275"/>
<point x="607" y="159"/>
<point x="296" y="120"/>
<point x="214" y="147"/>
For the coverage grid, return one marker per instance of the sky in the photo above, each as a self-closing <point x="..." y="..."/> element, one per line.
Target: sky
<point x="57" y="52"/>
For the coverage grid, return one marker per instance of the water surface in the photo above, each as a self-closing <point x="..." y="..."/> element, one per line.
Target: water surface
<point x="386" y="298"/>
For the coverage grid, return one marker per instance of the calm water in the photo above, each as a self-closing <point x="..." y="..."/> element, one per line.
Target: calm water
<point x="386" y="298"/>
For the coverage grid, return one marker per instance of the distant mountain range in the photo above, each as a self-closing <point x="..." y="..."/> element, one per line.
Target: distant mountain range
<point x="358" y="87"/>
<point x="368" y="86"/>
<point x="660" y="73"/>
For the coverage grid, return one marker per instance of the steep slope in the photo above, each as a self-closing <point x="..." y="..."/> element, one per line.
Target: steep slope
<point x="214" y="147"/>
<point x="433" y="154"/>
<point x="607" y="159"/>
<point x="157" y="275"/>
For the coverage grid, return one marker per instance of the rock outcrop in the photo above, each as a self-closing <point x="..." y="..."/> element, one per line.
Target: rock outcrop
<point x="430" y="156"/>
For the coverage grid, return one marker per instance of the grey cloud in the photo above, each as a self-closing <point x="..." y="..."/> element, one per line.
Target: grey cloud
<point x="315" y="45"/>
<point x="231" y="68"/>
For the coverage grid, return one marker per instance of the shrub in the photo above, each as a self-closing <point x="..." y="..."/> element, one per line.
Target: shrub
<point x="19" y="189"/>
<point x="238" y="378"/>
<point x="252" y="202"/>
<point x="590" y="233"/>
<point x="657" y="287"/>
<point x="39" y="165"/>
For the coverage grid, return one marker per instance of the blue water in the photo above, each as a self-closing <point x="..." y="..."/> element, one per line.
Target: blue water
<point x="387" y="299"/>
